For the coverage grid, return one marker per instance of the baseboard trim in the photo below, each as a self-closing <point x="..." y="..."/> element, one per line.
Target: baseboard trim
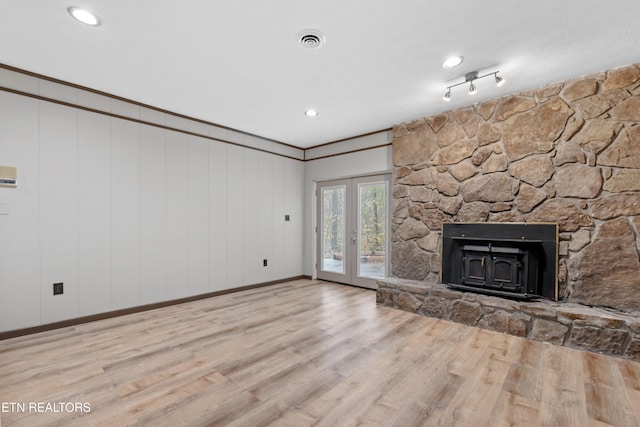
<point x="116" y="313"/>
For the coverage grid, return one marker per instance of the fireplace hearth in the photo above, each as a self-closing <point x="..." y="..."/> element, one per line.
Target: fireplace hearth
<point x="516" y="260"/>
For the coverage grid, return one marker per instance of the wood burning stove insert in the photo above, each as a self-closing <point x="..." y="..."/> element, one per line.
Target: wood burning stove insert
<point x="507" y="259"/>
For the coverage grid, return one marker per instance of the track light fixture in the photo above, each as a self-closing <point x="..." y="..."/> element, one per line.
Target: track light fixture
<point x="470" y="78"/>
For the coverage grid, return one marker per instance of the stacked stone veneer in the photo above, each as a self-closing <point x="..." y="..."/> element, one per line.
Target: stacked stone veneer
<point x="567" y="324"/>
<point x="568" y="154"/>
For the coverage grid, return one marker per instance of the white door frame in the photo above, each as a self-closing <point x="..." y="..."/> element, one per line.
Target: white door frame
<point x="351" y="233"/>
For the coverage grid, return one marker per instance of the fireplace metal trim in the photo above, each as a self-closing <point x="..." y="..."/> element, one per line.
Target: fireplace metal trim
<point x="513" y="295"/>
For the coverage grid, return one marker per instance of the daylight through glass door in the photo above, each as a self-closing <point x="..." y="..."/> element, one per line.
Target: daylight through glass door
<point x="372" y="224"/>
<point x="333" y="232"/>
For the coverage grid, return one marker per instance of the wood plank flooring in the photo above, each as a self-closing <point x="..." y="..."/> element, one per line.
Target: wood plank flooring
<point x="307" y="353"/>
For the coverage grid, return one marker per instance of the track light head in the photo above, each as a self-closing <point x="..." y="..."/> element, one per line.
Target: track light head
<point x="472" y="89"/>
<point x="499" y="80"/>
<point x="447" y="96"/>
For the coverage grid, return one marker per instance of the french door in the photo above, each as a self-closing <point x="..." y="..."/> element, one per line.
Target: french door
<point x="352" y="230"/>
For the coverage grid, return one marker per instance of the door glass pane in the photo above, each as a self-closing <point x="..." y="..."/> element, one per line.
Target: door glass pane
<point x="372" y="229"/>
<point x="333" y="229"/>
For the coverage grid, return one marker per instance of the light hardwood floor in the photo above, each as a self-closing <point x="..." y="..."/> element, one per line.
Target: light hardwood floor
<point x="308" y="353"/>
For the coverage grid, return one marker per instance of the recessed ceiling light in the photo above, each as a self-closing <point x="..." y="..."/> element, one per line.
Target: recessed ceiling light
<point x="452" y="61"/>
<point x="311" y="113"/>
<point x="84" y="16"/>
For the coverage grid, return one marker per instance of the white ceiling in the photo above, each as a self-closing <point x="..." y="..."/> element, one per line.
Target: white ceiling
<point x="238" y="63"/>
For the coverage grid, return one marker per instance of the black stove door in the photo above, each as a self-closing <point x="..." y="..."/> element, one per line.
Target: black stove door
<point x="474" y="269"/>
<point x="505" y="273"/>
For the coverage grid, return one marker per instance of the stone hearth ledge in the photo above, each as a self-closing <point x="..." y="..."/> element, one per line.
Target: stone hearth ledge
<point x="567" y="324"/>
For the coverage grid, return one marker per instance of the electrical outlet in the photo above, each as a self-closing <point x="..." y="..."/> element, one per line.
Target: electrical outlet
<point x="264" y="262"/>
<point x="287" y="218"/>
<point x="58" y="288"/>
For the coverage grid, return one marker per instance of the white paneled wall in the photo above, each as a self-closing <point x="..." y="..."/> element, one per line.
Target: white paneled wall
<point x="153" y="215"/>
<point x="219" y="224"/>
<point x="235" y="216"/>
<point x="294" y="228"/>
<point x="177" y="249"/>
<point x="59" y="236"/>
<point x="198" y="218"/>
<point x="20" y="300"/>
<point x="94" y="213"/>
<point x="279" y="226"/>
<point x="126" y="214"/>
<point x="250" y="217"/>
<point x="266" y="219"/>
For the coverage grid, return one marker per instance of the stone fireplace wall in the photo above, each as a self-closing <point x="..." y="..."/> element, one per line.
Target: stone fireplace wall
<point x="567" y="153"/>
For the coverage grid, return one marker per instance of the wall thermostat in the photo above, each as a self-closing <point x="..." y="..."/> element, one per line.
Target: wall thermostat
<point x="8" y="176"/>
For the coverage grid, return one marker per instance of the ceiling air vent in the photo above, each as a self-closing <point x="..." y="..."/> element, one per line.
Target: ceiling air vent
<point x="311" y="39"/>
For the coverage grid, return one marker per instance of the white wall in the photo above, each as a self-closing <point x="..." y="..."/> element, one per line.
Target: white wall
<point x="368" y="162"/>
<point x="131" y="212"/>
<point x="125" y="213"/>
